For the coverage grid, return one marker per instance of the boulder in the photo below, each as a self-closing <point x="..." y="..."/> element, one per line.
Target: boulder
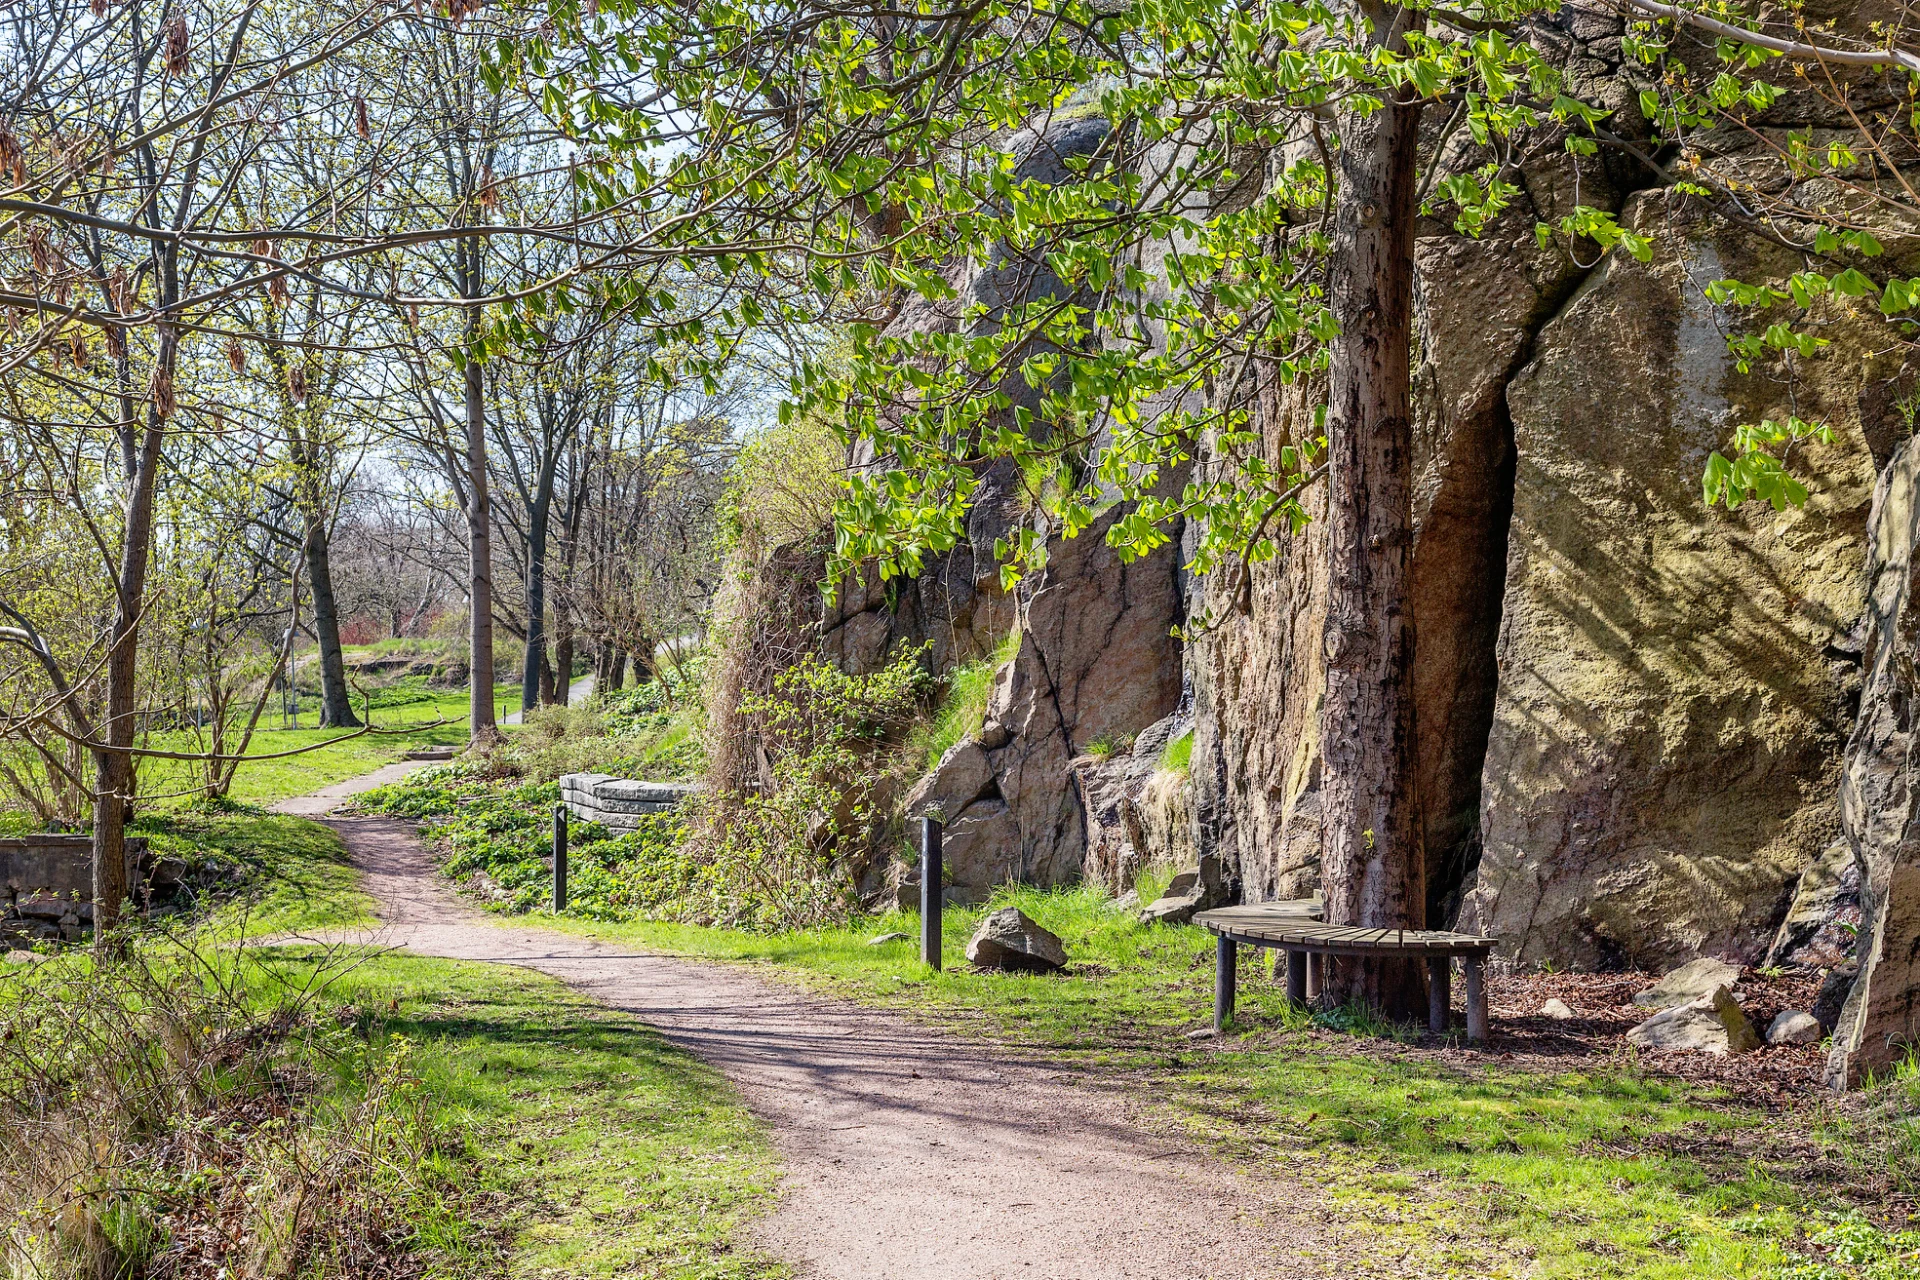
<point x="1008" y="939"/>
<point x="1558" y="1010"/>
<point x="980" y="848"/>
<point x="1714" y="1023"/>
<point x="17" y="956"/>
<point x="1183" y="883"/>
<point x="1821" y="922"/>
<point x="1140" y="815"/>
<point x="1690" y="981"/>
<point x="1794" y="1026"/>
<point x="1171" y="909"/>
<point x="962" y="776"/>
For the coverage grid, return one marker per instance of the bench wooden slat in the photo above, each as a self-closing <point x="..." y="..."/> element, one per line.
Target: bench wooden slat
<point x="1297" y="928"/>
<point x="1312" y="936"/>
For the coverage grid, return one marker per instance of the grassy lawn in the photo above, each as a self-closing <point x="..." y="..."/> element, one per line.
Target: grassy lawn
<point x="586" y="1145"/>
<point x="1591" y="1172"/>
<point x="589" y="1146"/>
<point x="566" y="1140"/>
<point x="436" y="719"/>
<point x="296" y="874"/>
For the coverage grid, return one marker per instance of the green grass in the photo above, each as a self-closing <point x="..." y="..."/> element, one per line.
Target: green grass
<point x="1177" y="757"/>
<point x="587" y="1146"/>
<point x="1600" y="1171"/>
<point x="575" y="1141"/>
<point x="298" y="878"/>
<point x="964" y="708"/>
<point x="439" y="720"/>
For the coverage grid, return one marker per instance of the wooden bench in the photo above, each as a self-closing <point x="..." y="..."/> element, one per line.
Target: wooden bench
<point x="1295" y="927"/>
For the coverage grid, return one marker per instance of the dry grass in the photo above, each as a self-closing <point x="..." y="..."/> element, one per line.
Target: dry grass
<point x="157" y="1121"/>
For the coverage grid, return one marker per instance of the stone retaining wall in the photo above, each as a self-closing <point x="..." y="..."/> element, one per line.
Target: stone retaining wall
<point x="46" y="884"/>
<point x="619" y="803"/>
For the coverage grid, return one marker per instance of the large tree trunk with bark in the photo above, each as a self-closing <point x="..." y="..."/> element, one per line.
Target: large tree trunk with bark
<point x="336" y="701"/>
<point x="1372" y="863"/>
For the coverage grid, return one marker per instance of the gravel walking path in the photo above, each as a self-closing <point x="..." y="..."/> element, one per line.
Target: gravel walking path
<point x="910" y="1154"/>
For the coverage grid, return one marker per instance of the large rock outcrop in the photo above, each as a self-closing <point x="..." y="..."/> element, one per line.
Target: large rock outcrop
<point x="1671" y="706"/>
<point x="1096" y="660"/>
<point x="1630" y="707"/>
<point x="1880" y="804"/>
<point x="1258" y="675"/>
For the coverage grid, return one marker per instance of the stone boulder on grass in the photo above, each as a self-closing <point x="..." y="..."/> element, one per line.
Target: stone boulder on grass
<point x="1008" y="939"/>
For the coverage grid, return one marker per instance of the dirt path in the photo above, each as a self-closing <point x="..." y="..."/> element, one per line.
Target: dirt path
<point x="324" y="801"/>
<point x="910" y="1154"/>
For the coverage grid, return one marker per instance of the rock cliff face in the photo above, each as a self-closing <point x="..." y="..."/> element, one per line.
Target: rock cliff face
<point x="1667" y="730"/>
<point x="1879" y="804"/>
<point x="1096" y="661"/>
<point x="1634" y="712"/>
<point x="1630" y="707"/>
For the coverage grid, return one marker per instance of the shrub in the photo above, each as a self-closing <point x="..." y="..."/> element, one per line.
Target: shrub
<point x="821" y="817"/>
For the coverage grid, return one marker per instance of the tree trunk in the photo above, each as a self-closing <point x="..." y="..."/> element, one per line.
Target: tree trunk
<point x="480" y="717"/>
<point x="113" y="768"/>
<point x="536" y="659"/>
<point x="1373" y="867"/>
<point x="617" y="669"/>
<point x="562" y="659"/>
<point x="336" y="701"/>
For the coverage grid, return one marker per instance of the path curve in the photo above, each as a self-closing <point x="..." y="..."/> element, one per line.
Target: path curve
<point x="909" y="1154"/>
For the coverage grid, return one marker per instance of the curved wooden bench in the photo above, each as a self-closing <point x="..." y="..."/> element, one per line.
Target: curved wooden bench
<point x="1295" y="928"/>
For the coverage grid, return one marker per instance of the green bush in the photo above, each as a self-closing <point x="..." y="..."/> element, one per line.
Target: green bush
<point x="831" y="753"/>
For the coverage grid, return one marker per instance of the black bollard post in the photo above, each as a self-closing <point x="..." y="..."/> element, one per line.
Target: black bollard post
<point x="930" y="896"/>
<point x="559" y="858"/>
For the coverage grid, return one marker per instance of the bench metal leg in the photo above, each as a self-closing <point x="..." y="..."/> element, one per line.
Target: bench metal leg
<point x="1297" y="977"/>
<point x="1316" y="974"/>
<point x="1439" y="992"/>
<point x="1226" y="962"/>
<point x="1476" y="1000"/>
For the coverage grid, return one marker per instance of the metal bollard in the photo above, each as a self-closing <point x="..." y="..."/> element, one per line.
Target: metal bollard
<point x="930" y="895"/>
<point x="559" y="857"/>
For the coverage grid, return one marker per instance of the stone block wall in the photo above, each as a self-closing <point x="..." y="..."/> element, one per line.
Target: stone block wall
<point x="619" y="803"/>
<point x="46" y="884"/>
